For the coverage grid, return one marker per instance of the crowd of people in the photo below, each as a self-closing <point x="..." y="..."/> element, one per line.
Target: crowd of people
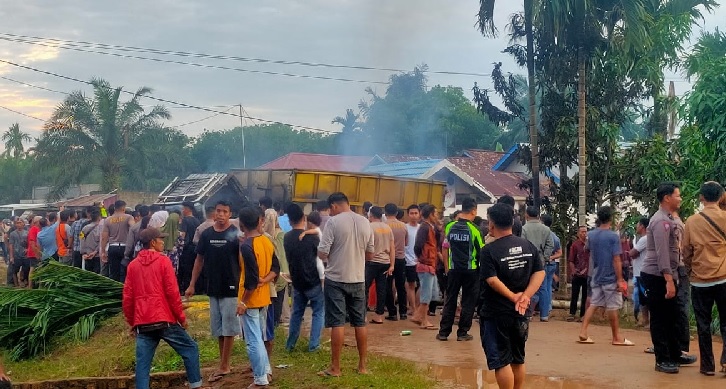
<point x="344" y="262"/>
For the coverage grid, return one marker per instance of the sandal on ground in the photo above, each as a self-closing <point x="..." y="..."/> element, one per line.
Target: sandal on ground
<point x="326" y="374"/>
<point x="625" y="342"/>
<point x="375" y="322"/>
<point x="430" y="327"/>
<point x="649" y="350"/>
<point x="217" y="375"/>
<point x="587" y="340"/>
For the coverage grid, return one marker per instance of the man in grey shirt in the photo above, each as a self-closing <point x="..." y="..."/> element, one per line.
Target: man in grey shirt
<point x="659" y="275"/>
<point x="113" y="240"/>
<point x="346" y="244"/>
<point x="133" y="237"/>
<point x="541" y="237"/>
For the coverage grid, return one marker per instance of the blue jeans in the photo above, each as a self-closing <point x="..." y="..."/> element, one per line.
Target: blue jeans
<point x="544" y="294"/>
<point x="636" y="296"/>
<point x="256" y="352"/>
<point x="176" y="337"/>
<point x="299" y="302"/>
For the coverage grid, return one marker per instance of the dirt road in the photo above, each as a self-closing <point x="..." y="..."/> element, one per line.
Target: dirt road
<point x="553" y="358"/>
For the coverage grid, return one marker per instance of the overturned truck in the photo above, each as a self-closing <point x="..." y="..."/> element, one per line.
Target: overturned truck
<point x="305" y="187"/>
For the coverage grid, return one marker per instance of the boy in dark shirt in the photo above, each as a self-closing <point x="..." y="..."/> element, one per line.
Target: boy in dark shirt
<point x="302" y="259"/>
<point x="511" y="273"/>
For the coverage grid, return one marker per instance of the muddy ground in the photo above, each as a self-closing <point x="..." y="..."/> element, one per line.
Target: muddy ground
<point x="554" y="359"/>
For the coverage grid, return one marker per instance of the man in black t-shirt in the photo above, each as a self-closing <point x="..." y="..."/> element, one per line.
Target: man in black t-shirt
<point x="218" y="254"/>
<point x="301" y="256"/>
<point x="187" y="228"/>
<point x="511" y="272"/>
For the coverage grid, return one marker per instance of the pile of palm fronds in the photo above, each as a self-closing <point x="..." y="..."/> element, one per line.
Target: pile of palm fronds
<point x="67" y="301"/>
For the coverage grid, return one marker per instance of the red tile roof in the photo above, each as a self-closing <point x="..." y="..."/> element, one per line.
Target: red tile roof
<point x="324" y="162"/>
<point x="478" y="164"/>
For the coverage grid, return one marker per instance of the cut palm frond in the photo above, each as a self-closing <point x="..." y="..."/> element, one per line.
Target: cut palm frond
<point x="68" y="301"/>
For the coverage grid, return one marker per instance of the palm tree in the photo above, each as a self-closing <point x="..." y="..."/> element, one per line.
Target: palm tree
<point x="485" y="21"/>
<point x="591" y="26"/>
<point x="14" y="139"/>
<point x="350" y="122"/>
<point x="86" y="134"/>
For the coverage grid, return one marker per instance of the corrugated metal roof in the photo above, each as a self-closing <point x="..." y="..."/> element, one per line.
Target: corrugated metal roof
<point x="86" y="201"/>
<point x="198" y="187"/>
<point x="324" y="162"/>
<point x="412" y="169"/>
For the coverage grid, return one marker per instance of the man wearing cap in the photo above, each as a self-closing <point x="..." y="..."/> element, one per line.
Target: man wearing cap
<point x="153" y="308"/>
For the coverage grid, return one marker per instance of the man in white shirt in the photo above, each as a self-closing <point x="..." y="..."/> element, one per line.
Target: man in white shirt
<point x="637" y="254"/>
<point x="414" y="215"/>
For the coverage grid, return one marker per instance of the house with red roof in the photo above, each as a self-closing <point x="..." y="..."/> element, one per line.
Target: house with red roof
<point x="321" y="162"/>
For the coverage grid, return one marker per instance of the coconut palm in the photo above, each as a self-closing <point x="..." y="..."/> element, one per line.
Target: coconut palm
<point x="350" y="122"/>
<point x="485" y="22"/>
<point x="14" y="139"/>
<point x="98" y="133"/>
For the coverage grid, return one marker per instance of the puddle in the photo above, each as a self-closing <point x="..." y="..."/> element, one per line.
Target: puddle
<point x="485" y="379"/>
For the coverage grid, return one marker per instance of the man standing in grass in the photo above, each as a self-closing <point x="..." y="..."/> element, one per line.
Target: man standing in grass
<point x="346" y="243"/>
<point x="302" y="258"/>
<point x="511" y="273"/>
<point x="153" y="308"/>
<point x="218" y="255"/>
<point x="259" y="269"/>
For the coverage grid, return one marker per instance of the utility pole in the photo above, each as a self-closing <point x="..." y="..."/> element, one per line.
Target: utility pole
<point x="242" y="126"/>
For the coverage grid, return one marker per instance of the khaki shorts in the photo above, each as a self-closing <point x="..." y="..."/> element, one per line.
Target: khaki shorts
<point x="606" y="296"/>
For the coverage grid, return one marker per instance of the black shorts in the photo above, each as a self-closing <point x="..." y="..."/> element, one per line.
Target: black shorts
<point x="503" y="340"/>
<point x="411" y="274"/>
<point x="343" y="299"/>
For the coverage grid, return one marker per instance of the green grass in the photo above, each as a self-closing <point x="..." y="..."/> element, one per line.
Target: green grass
<point x="110" y="352"/>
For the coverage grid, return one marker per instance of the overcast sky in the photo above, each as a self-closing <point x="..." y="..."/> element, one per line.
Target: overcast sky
<point x="384" y="34"/>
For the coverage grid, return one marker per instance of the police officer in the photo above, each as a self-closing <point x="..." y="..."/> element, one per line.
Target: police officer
<point x="462" y="245"/>
<point x="660" y="279"/>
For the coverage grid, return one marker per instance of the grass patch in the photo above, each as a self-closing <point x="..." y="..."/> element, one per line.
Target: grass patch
<point x="110" y="352"/>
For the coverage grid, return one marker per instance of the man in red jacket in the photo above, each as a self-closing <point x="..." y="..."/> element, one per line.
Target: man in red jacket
<point x="153" y="308"/>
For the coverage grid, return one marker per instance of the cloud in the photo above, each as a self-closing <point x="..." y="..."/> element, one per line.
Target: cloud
<point x="392" y="34"/>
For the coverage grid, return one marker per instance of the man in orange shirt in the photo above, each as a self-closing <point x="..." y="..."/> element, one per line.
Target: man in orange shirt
<point x="64" y="237"/>
<point x="259" y="267"/>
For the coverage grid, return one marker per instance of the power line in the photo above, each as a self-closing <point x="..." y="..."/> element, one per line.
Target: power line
<point x="203" y="119"/>
<point x="196" y="64"/>
<point x="33" y="86"/>
<point x="24" y="114"/>
<point x="169" y="101"/>
<point x="234" y="58"/>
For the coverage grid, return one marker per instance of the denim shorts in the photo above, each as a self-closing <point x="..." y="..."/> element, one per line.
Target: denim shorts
<point x="428" y="284"/>
<point x="223" y="316"/>
<point x="343" y="299"/>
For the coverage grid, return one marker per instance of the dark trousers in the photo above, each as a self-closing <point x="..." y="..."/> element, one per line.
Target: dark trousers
<point x="278" y="303"/>
<point x="466" y="281"/>
<point x="703" y="301"/>
<point x="684" y="299"/>
<point x="115" y="256"/>
<point x="664" y="326"/>
<point x="186" y="265"/>
<point x="579" y="289"/>
<point x="94" y="265"/>
<point x="442" y="280"/>
<point x="77" y="259"/>
<point x="399" y="276"/>
<point x="377" y="272"/>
